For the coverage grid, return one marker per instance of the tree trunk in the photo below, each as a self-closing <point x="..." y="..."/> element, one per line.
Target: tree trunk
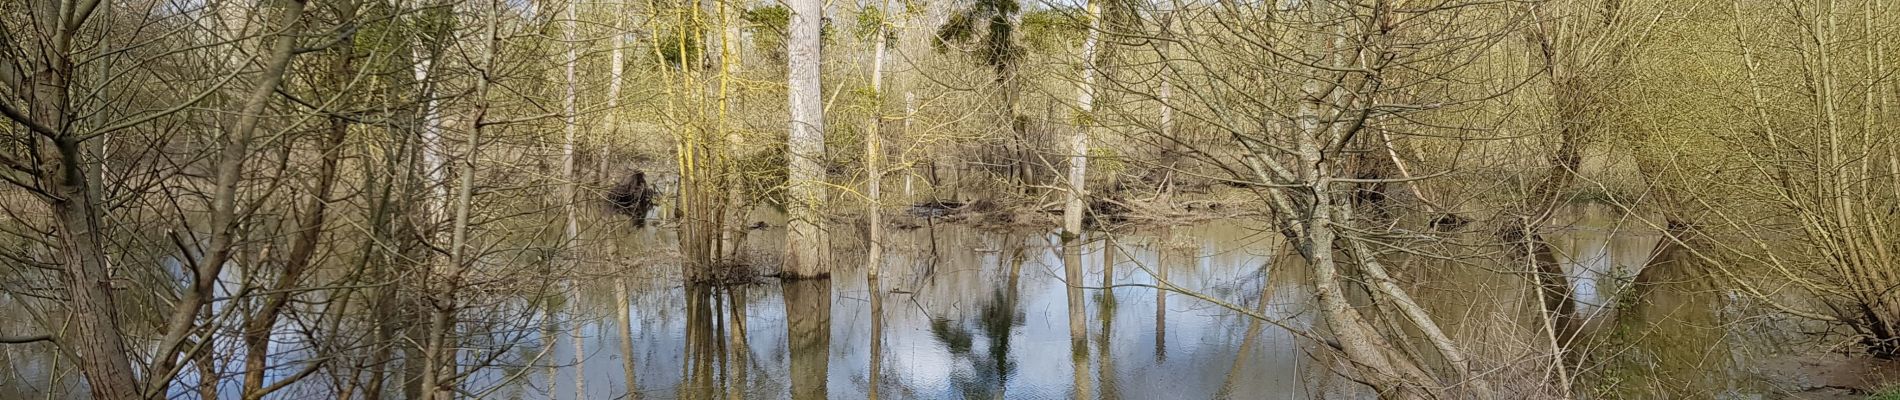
<point x="805" y="241"/>
<point x="1074" y="206"/>
<point x="439" y="371"/>
<point x="570" y="128"/>
<point x="258" y="326"/>
<point x="96" y="337"/>
<point x="616" y="74"/>
<point x="733" y="206"/>
<point x="1172" y="148"/>
<point x="76" y="207"/>
<point x="225" y="212"/>
<point x="873" y="148"/>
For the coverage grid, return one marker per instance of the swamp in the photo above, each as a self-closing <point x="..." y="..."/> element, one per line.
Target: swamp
<point x="949" y="199"/>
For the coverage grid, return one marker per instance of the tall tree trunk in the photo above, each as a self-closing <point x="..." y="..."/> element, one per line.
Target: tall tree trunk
<point x="570" y="128"/>
<point x="873" y="147"/>
<point x="616" y="74"/>
<point x="910" y="111"/>
<point x="1074" y="207"/>
<point x="733" y="205"/>
<point x="805" y="241"/>
<point x="96" y="337"/>
<point x="439" y="354"/>
<point x="435" y="166"/>
<point x="75" y="204"/>
<point x="1172" y="148"/>
<point x="422" y="170"/>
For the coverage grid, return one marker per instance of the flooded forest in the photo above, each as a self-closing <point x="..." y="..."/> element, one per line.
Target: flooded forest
<point x="949" y="199"/>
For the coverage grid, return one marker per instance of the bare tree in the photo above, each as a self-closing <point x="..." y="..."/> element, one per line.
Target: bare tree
<point x="40" y="71"/>
<point x="315" y="206"/>
<point x="1294" y="86"/>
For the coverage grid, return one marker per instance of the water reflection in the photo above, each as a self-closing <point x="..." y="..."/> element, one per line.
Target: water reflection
<point x="963" y="313"/>
<point x="985" y="322"/>
<point x="808" y="315"/>
<point x="877" y="337"/>
<point x="1105" y="304"/>
<point x="1078" y="316"/>
<point x="1601" y="253"/>
<point x="623" y="315"/>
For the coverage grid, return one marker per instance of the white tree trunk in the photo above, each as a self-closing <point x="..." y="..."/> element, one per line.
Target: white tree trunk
<point x="569" y="126"/>
<point x="910" y="110"/>
<point x="1165" y="95"/>
<point x="617" y="58"/>
<point x="872" y="146"/>
<point x="805" y="241"/>
<point x="569" y="112"/>
<point x="434" y="166"/>
<point x="1074" y="207"/>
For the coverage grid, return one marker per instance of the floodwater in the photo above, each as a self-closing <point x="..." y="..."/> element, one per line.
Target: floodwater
<point x="966" y="313"/>
<point x="987" y="316"/>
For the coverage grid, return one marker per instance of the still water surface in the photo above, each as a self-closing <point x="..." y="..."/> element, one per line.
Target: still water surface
<point x="987" y="316"/>
<point x="965" y="313"/>
<point x="968" y="313"/>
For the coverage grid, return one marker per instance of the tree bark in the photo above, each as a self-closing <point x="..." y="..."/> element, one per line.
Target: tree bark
<point x="873" y="147"/>
<point x="616" y="74"/>
<point x="805" y="241"/>
<point x="1074" y="207"/>
<point x="570" y="127"/>
<point x="76" y="206"/>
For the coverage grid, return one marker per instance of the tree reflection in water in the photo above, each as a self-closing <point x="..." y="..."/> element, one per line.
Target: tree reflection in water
<point x="808" y="330"/>
<point x="988" y="322"/>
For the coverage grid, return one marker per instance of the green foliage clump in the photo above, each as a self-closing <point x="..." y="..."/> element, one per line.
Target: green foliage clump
<point x="1106" y="161"/>
<point x="676" y="50"/>
<point x="761" y="175"/>
<point x="770" y="25"/>
<point x="771" y="19"/>
<point x="868" y="23"/>
<point x="996" y="42"/>
<point x="1054" y="29"/>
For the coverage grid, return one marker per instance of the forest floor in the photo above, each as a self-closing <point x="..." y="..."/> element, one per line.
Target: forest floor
<point x="1121" y="209"/>
<point x="1835" y="376"/>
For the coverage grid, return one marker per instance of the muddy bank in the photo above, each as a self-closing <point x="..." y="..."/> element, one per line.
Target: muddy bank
<point x="1834" y="376"/>
<point x="1103" y="212"/>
